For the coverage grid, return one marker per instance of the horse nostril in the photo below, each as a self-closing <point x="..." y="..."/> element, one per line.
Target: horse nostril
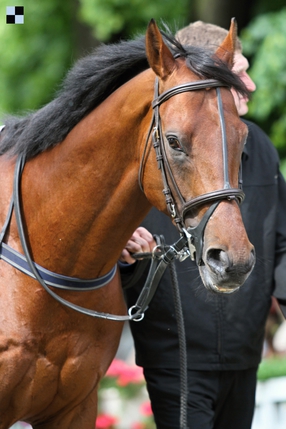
<point x="218" y="259"/>
<point x="219" y="262"/>
<point x="252" y="258"/>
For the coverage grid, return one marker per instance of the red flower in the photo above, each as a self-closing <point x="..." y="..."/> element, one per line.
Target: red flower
<point x="124" y="373"/>
<point x="146" y="409"/>
<point x="138" y="425"/>
<point x="105" y="421"/>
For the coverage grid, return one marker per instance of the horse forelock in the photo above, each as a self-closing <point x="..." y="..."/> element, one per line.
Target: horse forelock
<point x="205" y="64"/>
<point x="91" y="80"/>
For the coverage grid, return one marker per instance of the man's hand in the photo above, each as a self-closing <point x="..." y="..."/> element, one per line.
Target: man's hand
<point x="141" y="241"/>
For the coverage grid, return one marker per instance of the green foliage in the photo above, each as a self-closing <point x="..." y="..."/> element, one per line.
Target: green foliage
<point x="126" y="18"/>
<point x="272" y="367"/>
<point x="264" y="6"/>
<point x="34" y="55"/>
<point x="264" y="41"/>
<point x="283" y="167"/>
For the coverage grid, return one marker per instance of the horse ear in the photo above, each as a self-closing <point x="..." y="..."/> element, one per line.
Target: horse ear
<point x="159" y="55"/>
<point x="227" y="49"/>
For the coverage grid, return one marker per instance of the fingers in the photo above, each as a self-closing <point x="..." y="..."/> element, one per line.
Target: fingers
<point x="141" y="241"/>
<point x="126" y="257"/>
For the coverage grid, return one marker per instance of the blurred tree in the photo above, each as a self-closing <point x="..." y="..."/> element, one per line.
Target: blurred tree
<point x="264" y="42"/>
<point x="35" y="55"/>
<point x="114" y="19"/>
<point x="220" y="12"/>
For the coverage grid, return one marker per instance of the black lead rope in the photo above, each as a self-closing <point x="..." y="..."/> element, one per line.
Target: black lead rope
<point x="182" y="348"/>
<point x="174" y="251"/>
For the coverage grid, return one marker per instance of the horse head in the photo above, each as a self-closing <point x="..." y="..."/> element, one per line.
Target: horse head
<point x="199" y="139"/>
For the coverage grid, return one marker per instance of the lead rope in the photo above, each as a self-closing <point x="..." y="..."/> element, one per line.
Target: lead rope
<point x="179" y="319"/>
<point x="182" y="347"/>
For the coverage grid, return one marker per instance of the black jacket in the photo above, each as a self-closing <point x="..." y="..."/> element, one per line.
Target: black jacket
<point x="224" y="332"/>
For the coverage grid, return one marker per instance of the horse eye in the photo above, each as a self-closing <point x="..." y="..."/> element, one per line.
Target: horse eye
<point x="174" y="143"/>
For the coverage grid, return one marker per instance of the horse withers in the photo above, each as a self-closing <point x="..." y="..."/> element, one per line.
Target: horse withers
<point x="77" y="199"/>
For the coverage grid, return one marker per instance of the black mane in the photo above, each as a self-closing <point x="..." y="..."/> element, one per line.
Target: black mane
<point x="88" y="83"/>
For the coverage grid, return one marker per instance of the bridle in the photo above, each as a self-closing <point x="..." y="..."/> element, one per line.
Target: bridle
<point x="195" y="235"/>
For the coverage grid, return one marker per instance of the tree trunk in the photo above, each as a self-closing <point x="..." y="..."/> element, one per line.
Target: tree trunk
<point x="83" y="40"/>
<point x="220" y="12"/>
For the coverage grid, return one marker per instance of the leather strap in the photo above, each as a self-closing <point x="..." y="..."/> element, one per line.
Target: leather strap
<point x="17" y="260"/>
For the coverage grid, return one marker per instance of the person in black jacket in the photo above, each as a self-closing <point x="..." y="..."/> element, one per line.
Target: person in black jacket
<point x="224" y="333"/>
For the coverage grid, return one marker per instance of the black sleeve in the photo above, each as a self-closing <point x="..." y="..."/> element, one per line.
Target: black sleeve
<point x="134" y="274"/>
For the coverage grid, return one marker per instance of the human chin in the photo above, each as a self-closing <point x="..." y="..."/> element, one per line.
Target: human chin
<point x="242" y="107"/>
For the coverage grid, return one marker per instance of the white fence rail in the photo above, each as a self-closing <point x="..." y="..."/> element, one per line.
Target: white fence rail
<point x="270" y="411"/>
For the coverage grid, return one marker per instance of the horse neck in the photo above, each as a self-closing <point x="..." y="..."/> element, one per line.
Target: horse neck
<point x="84" y="192"/>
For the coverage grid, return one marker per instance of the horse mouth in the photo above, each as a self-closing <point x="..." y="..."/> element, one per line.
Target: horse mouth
<point x="222" y="289"/>
<point x="222" y="284"/>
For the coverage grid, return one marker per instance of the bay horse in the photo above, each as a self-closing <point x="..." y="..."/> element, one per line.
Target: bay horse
<point x="72" y="171"/>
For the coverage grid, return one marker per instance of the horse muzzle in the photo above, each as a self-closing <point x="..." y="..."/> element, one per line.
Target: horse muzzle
<point x="220" y="273"/>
